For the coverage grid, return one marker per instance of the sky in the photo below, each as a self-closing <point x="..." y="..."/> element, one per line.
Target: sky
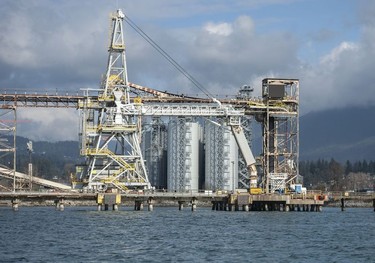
<point x="61" y="47"/>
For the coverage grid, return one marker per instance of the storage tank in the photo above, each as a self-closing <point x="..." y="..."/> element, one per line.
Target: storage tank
<point x="154" y="150"/>
<point x="183" y="155"/>
<point x="221" y="154"/>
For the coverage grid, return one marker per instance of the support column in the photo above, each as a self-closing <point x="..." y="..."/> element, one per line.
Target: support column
<point x="135" y="205"/>
<point x="342" y="204"/>
<point x="193" y="205"/>
<point x="59" y="204"/>
<point x="246" y="208"/>
<point x="225" y="206"/>
<point x="15" y="204"/>
<point x="181" y="205"/>
<point x="150" y="203"/>
<point x="108" y="200"/>
<point x="286" y="208"/>
<point x="138" y="205"/>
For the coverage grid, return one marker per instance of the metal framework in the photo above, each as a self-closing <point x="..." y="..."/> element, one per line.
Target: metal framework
<point x="245" y="93"/>
<point x="40" y="100"/>
<point x="280" y="133"/>
<point x="8" y="120"/>
<point x="111" y="131"/>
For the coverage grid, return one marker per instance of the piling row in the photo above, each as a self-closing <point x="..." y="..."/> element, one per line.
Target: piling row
<point x="232" y="202"/>
<point x="224" y="206"/>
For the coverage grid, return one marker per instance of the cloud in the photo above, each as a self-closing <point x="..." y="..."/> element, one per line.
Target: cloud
<point x="343" y="77"/>
<point x="222" y="29"/>
<point x="62" y="47"/>
<point x="48" y="124"/>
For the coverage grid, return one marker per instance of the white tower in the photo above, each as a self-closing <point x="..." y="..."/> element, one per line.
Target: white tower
<point x="110" y="130"/>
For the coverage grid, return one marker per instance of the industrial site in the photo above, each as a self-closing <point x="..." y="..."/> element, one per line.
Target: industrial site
<point x="144" y="144"/>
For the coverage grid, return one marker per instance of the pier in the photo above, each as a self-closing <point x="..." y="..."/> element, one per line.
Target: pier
<point x="219" y="201"/>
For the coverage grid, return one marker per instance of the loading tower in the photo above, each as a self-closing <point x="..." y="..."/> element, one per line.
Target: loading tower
<point x="110" y="131"/>
<point x="280" y="133"/>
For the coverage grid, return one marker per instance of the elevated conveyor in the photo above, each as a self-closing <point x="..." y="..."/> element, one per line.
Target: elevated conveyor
<point x="6" y="173"/>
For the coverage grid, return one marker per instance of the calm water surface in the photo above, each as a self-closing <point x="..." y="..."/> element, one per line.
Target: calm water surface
<point x="81" y="234"/>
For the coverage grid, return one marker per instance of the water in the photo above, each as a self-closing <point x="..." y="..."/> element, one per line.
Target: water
<point x="81" y="234"/>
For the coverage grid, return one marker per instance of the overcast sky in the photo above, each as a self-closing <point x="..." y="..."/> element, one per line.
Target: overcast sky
<point x="61" y="46"/>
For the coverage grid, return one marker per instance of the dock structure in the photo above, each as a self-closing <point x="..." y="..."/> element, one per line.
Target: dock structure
<point x="219" y="201"/>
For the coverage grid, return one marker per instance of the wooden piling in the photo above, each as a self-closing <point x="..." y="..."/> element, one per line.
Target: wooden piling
<point x="342" y="204"/>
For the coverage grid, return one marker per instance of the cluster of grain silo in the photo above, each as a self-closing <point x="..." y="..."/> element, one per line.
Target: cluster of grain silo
<point x="186" y="155"/>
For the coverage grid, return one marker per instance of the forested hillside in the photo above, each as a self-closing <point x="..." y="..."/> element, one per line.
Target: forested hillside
<point x="51" y="160"/>
<point x="334" y="176"/>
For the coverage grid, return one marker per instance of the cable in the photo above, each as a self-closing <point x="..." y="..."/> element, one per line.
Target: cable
<point x="167" y="57"/>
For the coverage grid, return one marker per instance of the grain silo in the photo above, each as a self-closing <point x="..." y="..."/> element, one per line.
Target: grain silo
<point x="183" y="155"/>
<point x="154" y="149"/>
<point x="221" y="154"/>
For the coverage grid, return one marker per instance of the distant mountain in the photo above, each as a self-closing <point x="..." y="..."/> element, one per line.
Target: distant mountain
<point x="342" y="134"/>
<point x="50" y="159"/>
<point x="68" y="150"/>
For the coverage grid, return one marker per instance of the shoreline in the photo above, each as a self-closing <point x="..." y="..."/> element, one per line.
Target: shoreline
<point x="348" y="203"/>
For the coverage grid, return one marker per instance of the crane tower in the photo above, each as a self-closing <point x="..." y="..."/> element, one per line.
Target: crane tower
<point x="111" y="129"/>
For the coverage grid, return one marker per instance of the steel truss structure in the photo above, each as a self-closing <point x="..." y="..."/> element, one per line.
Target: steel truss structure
<point x="110" y="134"/>
<point x="8" y="125"/>
<point x="245" y="93"/>
<point x="280" y="133"/>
